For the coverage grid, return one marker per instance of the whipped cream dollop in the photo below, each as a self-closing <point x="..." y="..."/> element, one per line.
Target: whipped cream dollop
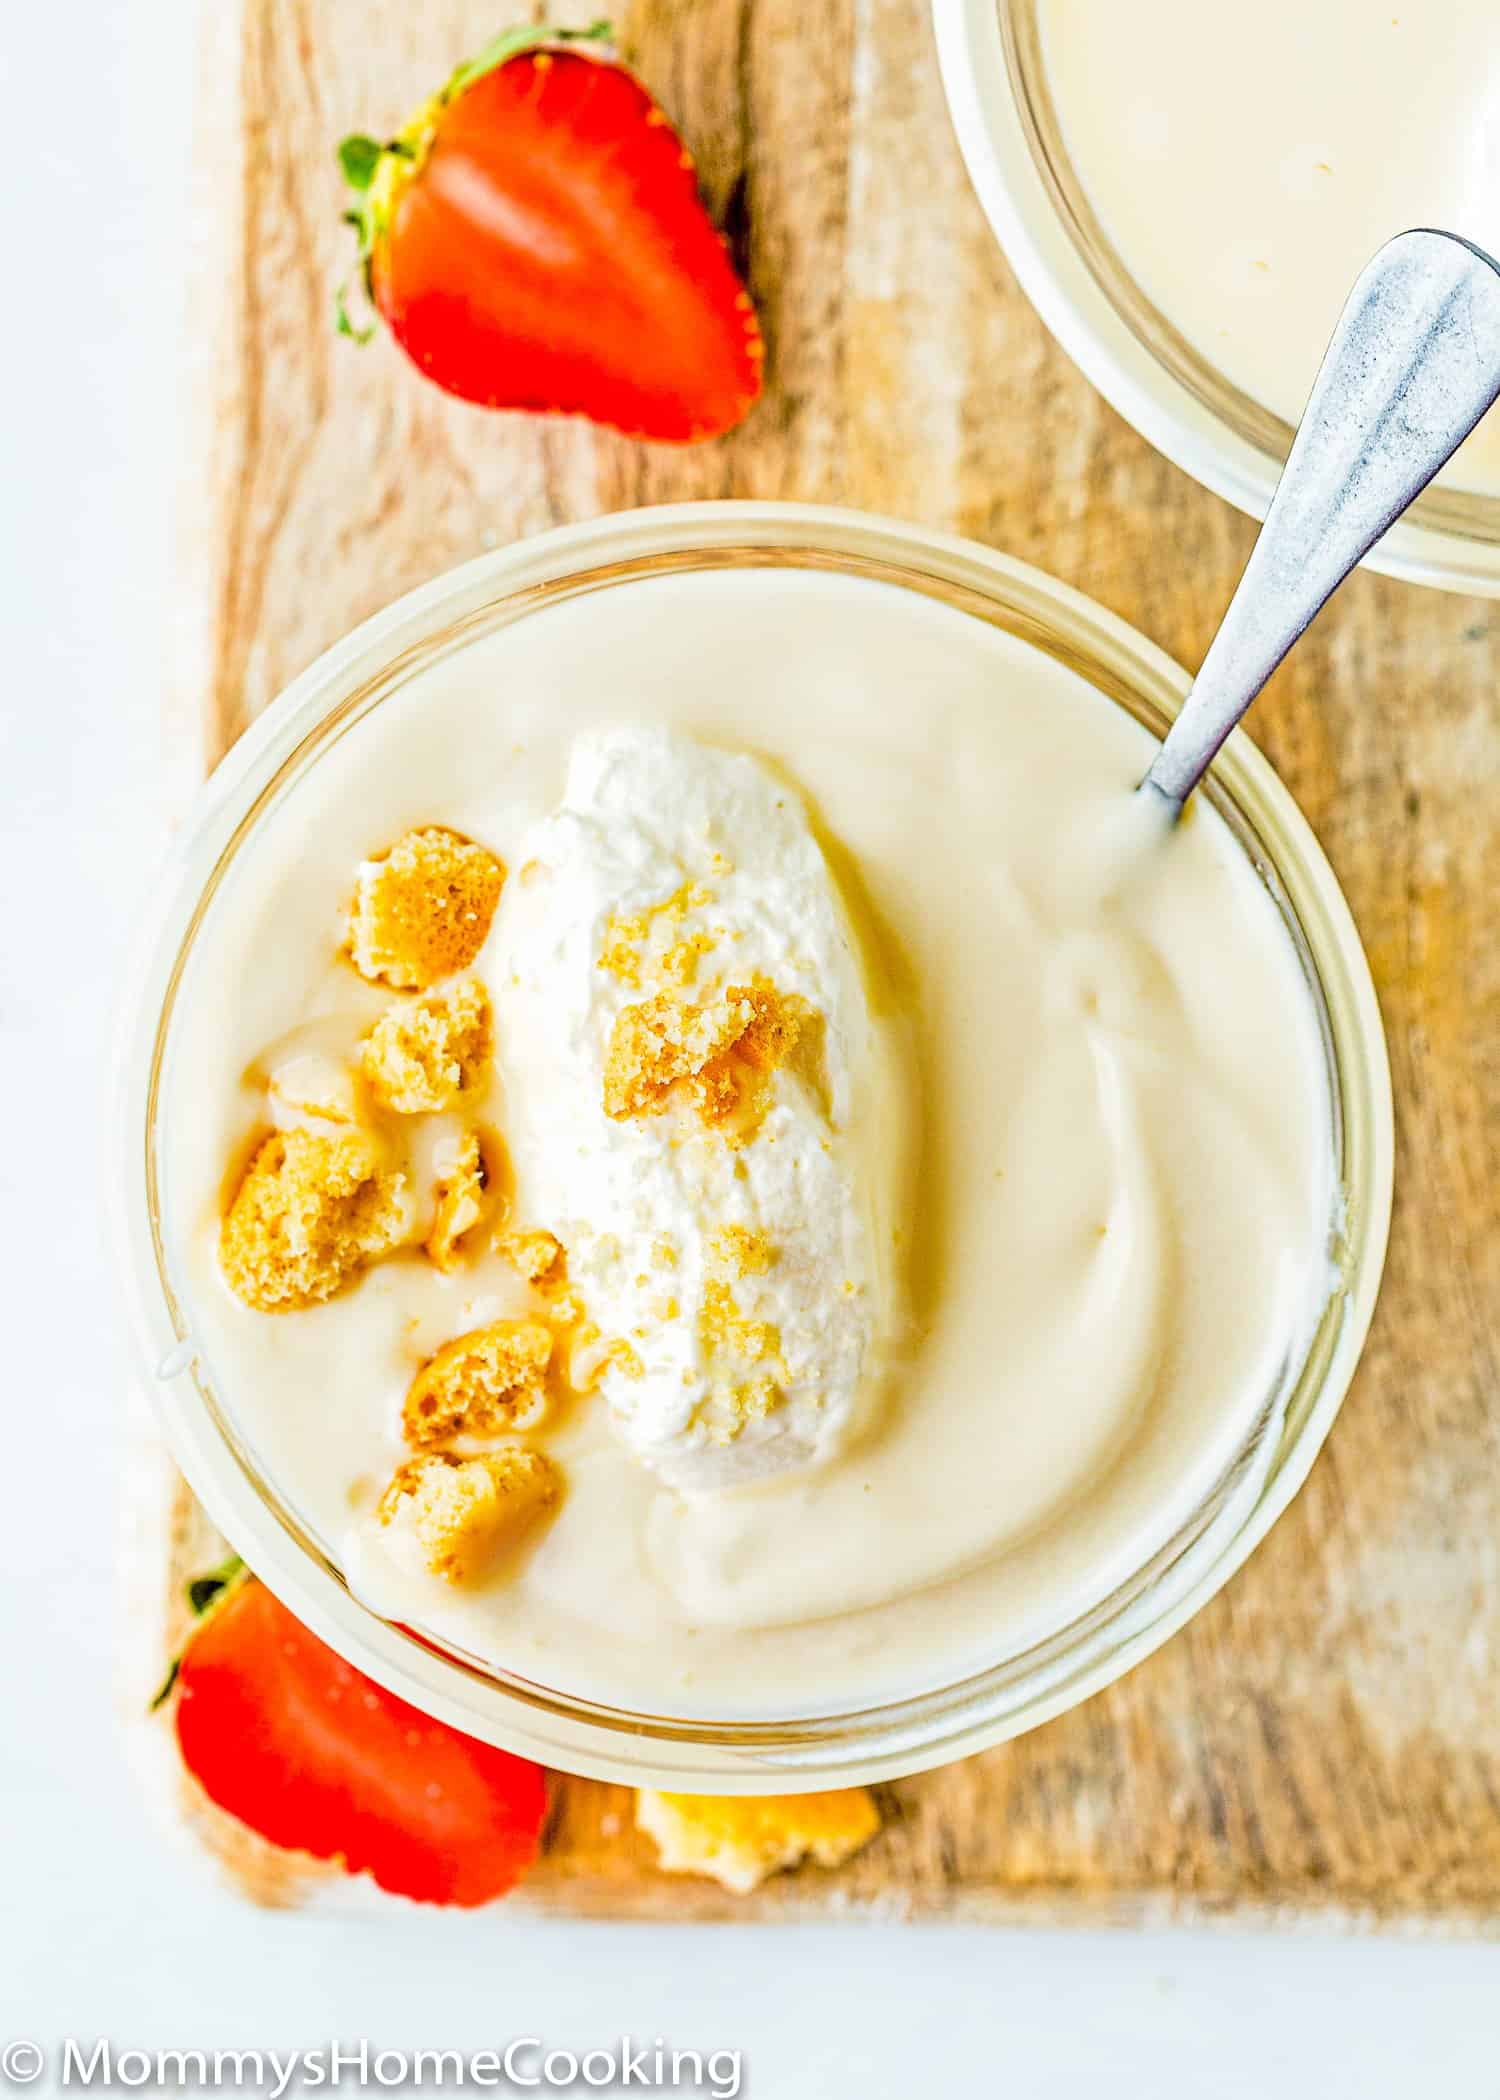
<point x="740" y="1264"/>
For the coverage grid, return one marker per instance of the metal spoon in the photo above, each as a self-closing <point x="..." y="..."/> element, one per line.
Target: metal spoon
<point x="1413" y="364"/>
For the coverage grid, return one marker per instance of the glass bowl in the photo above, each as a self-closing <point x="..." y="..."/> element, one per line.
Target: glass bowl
<point x="1012" y="141"/>
<point x="1018" y="1690"/>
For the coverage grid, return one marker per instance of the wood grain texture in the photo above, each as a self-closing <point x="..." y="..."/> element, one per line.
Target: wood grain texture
<point x="1325" y="1737"/>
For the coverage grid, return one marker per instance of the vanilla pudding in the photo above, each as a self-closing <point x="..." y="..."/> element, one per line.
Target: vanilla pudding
<point x="1012" y="1247"/>
<point x="1245" y="177"/>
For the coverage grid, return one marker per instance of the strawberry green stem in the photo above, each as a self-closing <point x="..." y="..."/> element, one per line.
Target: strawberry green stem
<point x="526" y="36"/>
<point x="204" y="1594"/>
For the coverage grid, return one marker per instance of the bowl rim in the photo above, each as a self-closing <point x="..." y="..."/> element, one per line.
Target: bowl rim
<point x="1079" y="313"/>
<point x="310" y="1586"/>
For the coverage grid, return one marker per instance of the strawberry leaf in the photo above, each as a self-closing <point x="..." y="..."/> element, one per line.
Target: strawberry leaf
<point x="344" y="321"/>
<point x="359" y="157"/>
<point x="203" y="1593"/>
<point x="204" y="1589"/>
<point x="528" y="36"/>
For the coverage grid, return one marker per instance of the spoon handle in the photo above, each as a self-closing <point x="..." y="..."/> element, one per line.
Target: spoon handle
<point x="1413" y="364"/>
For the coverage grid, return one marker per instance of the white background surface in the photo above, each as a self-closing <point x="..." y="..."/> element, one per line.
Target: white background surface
<point x="102" y="1930"/>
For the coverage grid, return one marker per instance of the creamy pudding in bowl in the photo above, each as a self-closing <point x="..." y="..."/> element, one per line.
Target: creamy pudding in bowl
<point x="1348" y="122"/>
<point x="736" y="1206"/>
<point x="1187" y="200"/>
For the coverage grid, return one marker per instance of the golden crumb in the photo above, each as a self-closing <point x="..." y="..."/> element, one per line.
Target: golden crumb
<point x="424" y="1055"/>
<point x="628" y="934"/>
<point x="745" y="1362"/>
<point x="461" y="1192"/>
<point x="732" y="1079"/>
<point x="729" y="1409"/>
<point x="664" y="1252"/>
<point x="757" y="1398"/>
<point x="719" y="1051"/>
<point x="620" y="954"/>
<point x="724" y="1331"/>
<point x="743" y="1252"/>
<point x="307" y="1216"/>
<point x="775" y="1026"/>
<point x="739" y="1840"/>
<point x="660" y="1041"/>
<point x="567" y="1308"/>
<point x="463" y="1510"/>
<point x="538" y="1256"/>
<point x="679" y="963"/>
<point x="422" y="910"/>
<point x="484" y="1383"/>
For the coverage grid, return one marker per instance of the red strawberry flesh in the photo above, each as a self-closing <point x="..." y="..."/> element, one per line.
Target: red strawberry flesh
<point x="318" y="1758"/>
<point x="551" y="252"/>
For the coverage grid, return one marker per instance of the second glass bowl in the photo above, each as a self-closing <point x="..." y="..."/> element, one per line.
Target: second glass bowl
<point x="1013" y="143"/>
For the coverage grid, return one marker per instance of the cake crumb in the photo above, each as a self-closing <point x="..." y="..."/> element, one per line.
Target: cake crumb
<point x="424" y="1055"/>
<point x="775" y="1028"/>
<point x="567" y="1309"/>
<point x="719" y="1051"/>
<point x="538" y="1256"/>
<point x="679" y="963"/>
<point x="735" y="1346"/>
<point x="724" y="1330"/>
<point x="729" y="1409"/>
<point x="461" y="1192"/>
<point x="662" y="1040"/>
<point x="743" y="1252"/>
<point x="423" y="908"/>
<point x="628" y="934"/>
<point x="463" y="1510"/>
<point x="739" y="1840"/>
<point x="744" y="1361"/>
<point x="620" y="953"/>
<point x="484" y="1383"/>
<point x="308" y="1215"/>
<point x="624" y="1358"/>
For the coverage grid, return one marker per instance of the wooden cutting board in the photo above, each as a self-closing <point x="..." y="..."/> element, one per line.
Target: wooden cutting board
<point x="1325" y="1737"/>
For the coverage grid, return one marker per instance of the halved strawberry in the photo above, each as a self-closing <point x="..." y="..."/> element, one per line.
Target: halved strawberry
<point x="535" y="239"/>
<point x="316" y="1757"/>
